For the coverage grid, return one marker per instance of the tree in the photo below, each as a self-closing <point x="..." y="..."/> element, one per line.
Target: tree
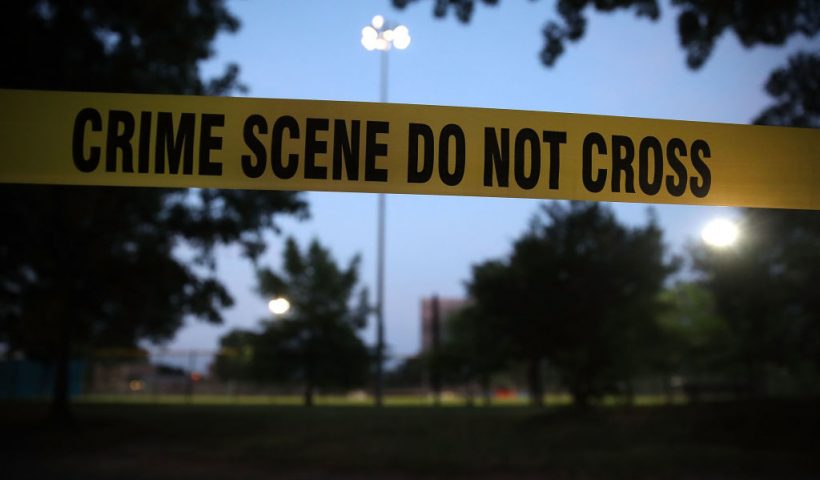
<point x="700" y="22"/>
<point x="765" y="288"/>
<point x="316" y="345"/>
<point x="86" y="267"/>
<point x="472" y="350"/>
<point x="696" y="343"/>
<point x="796" y="90"/>
<point x="579" y="291"/>
<point x="235" y="359"/>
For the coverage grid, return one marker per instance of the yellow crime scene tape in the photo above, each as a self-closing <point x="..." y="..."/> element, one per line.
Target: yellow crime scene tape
<point x="269" y="144"/>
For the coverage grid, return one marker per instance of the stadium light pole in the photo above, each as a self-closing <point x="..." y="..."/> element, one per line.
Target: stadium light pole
<point x="380" y="36"/>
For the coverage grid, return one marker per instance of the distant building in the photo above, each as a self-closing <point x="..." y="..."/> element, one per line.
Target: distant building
<point x="446" y="308"/>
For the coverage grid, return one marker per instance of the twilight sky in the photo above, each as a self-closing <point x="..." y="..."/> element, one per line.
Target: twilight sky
<point x="309" y="49"/>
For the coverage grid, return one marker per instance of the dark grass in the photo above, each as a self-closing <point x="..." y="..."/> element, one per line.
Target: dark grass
<point x="727" y="440"/>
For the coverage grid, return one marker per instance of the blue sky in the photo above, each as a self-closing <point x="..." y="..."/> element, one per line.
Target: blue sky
<point x="310" y="49"/>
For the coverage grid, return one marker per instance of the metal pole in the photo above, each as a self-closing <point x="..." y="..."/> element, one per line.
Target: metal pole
<point x="383" y="83"/>
<point x="379" y="394"/>
<point x="435" y="374"/>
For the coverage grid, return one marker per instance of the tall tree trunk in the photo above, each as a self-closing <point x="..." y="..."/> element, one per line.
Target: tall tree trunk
<point x="534" y="380"/>
<point x="470" y="395"/>
<point x="60" y="405"/>
<point x="485" y="389"/>
<point x="580" y="395"/>
<point x="309" y="371"/>
<point x="308" y="399"/>
<point x="435" y="354"/>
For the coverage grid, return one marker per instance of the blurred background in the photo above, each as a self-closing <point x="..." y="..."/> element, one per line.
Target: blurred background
<point x="115" y="297"/>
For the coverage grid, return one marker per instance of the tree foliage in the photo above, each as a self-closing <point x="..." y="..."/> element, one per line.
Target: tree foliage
<point x="471" y="350"/>
<point x="696" y="342"/>
<point x="85" y="267"/>
<point x="796" y="92"/>
<point x="580" y="291"/>
<point x="765" y="288"/>
<point x="315" y="344"/>
<point x="700" y="22"/>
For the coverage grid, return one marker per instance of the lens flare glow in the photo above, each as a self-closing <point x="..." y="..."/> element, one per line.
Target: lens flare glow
<point x="278" y="306"/>
<point x="720" y="233"/>
<point x="401" y="37"/>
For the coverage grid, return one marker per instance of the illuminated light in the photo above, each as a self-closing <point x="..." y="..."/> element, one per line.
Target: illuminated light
<point x="278" y="306"/>
<point x="369" y="37"/>
<point x="196" y="377"/>
<point x="136" y="385"/>
<point x="388" y="35"/>
<point x="720" y="233"/>
<point x="382" y="44"/>
<point x="378" y="22"/>
<point x="369" y="43"/>
<point x="369" y="32"/>
<point x="401" y="37"/>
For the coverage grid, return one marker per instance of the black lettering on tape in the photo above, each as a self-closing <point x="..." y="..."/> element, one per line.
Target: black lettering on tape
<point x="554" y="139"/>
<point x="496" y="158"/>
<point x="285" y="122"/>
<point x="623" y="153"/>
<point x="314" y="146"/>
<point x="420" y="173"/>
<point x="700" y="150"/>
<point x="457" y="134"/>
<point x="178" y="147"/>
<point x="593" y="185"/>
<point x="346" y="149"/>
<point x="85" y="164"/>
<point x="208" y="142"/>
<point x="674" y="148"/>
<point x="647" y="145"/>
<point x="524" y="136"/>
<point x="374" y="149"/>
<point x="120" y="132"/>
<point x="250" y="167"/>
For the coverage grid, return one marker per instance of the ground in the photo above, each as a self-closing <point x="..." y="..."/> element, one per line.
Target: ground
<point x="737" y="440"/>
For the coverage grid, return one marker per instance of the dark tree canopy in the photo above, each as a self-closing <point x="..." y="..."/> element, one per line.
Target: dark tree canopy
<point x="99" y="46"/>
<point x="580" y="291"/>
<point x="471" y="349"/>
<point x="315" y="344"/>
<point x="700" y="22"/>
<point x="89" y="267"/>
<point x="796" y="92"/>
<point x="765" y="288"/>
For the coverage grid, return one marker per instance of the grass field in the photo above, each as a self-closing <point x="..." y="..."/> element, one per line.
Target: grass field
<point x="176" y="440"/>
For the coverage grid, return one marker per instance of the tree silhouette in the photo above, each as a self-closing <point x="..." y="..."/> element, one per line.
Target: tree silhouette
<point x="796" y="90"/>
<point x="471" y="350"/>
<point x="765" y="287"/>
<point x="316" y="343"/>
<point x="700" y="22"/>
<point x="696" y="343"/>
<point x="579" y="291"/>
<point x="87" y="267"/>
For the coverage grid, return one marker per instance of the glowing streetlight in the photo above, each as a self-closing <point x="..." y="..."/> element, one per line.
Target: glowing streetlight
<point x="279" y="306"/>
<point x="720" y="233"/>
<point x="380" y="36"/>
<point x="377" y="36"/>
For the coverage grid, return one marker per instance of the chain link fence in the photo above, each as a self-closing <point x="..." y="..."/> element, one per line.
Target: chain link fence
<point x="190" y="376"/>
